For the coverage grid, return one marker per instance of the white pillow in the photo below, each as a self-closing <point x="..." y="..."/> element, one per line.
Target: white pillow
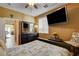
<point x="75" y="37"/>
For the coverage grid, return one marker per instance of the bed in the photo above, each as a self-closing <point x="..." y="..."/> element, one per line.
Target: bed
<point x="38" y="48"/>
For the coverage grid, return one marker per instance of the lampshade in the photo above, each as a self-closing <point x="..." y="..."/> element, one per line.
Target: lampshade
<point x="36" y="26"/>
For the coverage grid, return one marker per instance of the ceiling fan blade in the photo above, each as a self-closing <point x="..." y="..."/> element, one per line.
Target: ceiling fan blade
<point x="26" y="6"/>
<point x="35" y="6"/>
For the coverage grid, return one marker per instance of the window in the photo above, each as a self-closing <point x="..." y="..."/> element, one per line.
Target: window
<point x="43" y="24"/>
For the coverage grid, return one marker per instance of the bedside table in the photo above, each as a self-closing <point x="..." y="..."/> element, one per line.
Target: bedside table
<point x="76" y="47"/>
<point x="77" y="51"/>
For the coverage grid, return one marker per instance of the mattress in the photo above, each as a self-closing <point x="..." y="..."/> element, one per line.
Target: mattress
<point x="38" y="48"/>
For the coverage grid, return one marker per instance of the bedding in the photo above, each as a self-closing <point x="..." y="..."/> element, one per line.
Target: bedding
<point x="38" y="48"/>
<point x="61" y="44"/>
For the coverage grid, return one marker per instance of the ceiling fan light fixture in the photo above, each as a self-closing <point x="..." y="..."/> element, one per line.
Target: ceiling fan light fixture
<point x="31" y="4"/>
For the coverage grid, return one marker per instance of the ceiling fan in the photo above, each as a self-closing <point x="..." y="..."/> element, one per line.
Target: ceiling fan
<point x="33" y="5"/>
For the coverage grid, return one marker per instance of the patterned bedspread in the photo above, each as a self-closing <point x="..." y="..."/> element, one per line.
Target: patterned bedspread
<point x="38" y="48"/>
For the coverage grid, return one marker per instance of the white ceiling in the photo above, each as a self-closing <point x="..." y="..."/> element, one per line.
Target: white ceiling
<point x="20" y="7"/>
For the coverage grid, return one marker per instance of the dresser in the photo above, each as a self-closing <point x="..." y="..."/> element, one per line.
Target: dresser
<point x="28" y="37"/>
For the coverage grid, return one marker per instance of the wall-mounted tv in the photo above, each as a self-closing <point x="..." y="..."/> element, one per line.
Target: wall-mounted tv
<point x="57" y="16"/>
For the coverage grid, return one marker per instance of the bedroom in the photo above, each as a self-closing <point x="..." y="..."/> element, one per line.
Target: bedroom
<point x="14" y="19"/>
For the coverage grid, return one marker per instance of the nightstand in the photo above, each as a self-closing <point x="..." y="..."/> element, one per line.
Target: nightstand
<point x="77" y="51"/>
<point x="76" y="47"/>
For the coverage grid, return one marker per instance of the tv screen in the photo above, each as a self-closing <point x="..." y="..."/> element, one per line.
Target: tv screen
<point x="57" y="16"/>
<point x="25" y="25"/>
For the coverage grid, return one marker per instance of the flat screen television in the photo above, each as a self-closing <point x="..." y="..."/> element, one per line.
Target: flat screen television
<point x="57" y="16"/>
<point x="25" y="24"/>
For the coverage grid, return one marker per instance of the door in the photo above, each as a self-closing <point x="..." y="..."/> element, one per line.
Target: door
<point x="10" y="35"/>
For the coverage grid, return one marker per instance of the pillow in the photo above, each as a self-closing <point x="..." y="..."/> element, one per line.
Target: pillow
<point x="75" y="37"/>
<point x="55" y="39"/>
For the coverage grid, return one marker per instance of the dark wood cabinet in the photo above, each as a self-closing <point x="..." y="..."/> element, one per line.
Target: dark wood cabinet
<point x="25" y="34"/>
<point x="28" y="37"/>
